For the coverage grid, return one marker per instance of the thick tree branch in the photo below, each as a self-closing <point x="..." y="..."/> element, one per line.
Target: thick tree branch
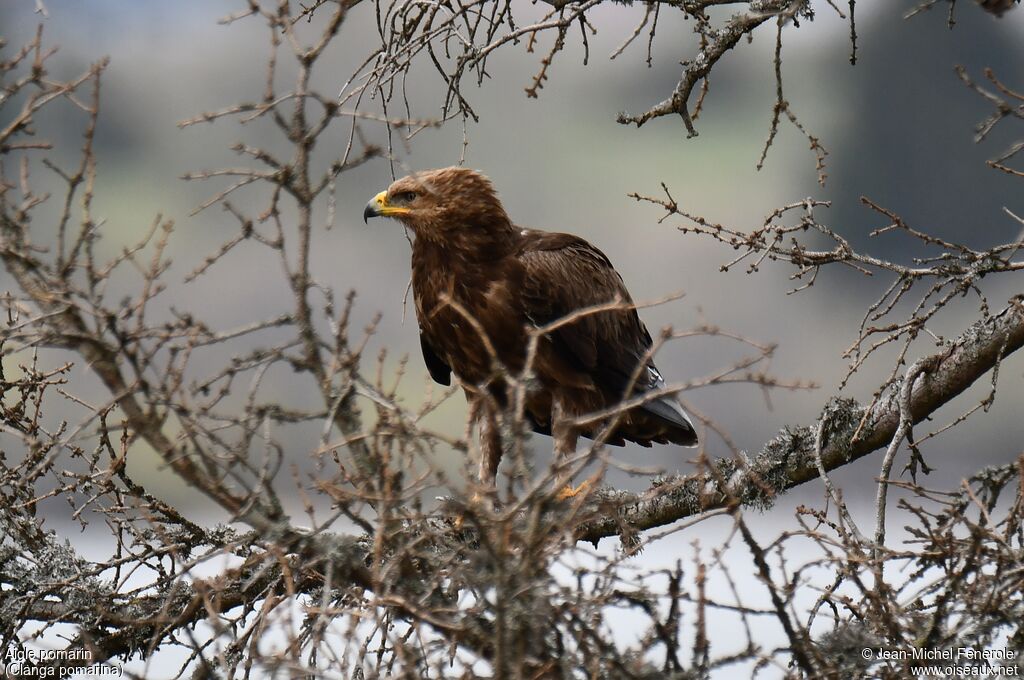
<point x="788" y="460"/>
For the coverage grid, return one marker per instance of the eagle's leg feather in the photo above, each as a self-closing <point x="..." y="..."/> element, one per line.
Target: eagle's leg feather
<point x="490" y="444"/>
<point x="483" y="417"/>
<point x="566" y="434"/>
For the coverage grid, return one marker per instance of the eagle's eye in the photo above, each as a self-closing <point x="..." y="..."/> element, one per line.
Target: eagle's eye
<point x="404" y="197"/>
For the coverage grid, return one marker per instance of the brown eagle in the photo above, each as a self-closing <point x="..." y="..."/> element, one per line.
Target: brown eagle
<point x="480" y="283"/>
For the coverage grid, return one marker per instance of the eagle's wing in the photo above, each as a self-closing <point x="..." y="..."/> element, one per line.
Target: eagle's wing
<point x="563" y="274"/>
<point x="439" y="370"/>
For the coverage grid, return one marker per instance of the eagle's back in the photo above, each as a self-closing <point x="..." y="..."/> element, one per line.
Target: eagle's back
<point x="608" y="350"/>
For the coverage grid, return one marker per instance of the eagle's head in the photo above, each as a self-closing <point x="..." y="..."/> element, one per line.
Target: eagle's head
<point x="449" y="204"/>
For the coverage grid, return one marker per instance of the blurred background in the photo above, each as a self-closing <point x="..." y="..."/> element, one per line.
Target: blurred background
<point x="898" y="126"/>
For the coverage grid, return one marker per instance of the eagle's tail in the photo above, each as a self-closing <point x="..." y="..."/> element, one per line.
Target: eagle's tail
<point x="681" y="430"/>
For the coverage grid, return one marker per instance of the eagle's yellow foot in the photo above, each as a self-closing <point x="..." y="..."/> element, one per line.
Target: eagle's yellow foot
<point x="568" y="491"/>
<point x="475" y="501"/>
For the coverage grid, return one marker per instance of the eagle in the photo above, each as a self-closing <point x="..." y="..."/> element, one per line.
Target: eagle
<point x="484" y="286"/>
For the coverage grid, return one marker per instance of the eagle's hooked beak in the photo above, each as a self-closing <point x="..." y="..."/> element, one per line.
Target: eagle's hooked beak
<point x="378" y="207"/>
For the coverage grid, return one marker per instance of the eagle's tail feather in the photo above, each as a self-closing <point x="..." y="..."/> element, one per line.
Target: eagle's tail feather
<point x="668" y="409"/>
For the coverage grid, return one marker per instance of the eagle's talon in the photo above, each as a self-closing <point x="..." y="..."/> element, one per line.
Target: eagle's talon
<point x="476" y="501"/>
<point x="569" y="491"/>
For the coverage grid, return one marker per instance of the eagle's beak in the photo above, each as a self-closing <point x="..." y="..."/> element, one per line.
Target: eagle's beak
<point x="378" y="207"/>
<point x="373" y="208"/>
